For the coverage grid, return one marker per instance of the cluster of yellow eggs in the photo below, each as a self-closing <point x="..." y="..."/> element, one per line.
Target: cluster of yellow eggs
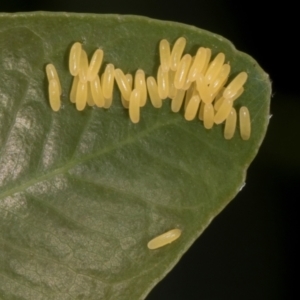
<point x="198" y="84"/>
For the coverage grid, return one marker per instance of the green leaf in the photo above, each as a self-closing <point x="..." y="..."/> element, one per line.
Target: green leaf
<point x="81" y="193"/>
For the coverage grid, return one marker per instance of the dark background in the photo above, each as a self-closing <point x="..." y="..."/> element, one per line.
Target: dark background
<point x="249" y="251"/>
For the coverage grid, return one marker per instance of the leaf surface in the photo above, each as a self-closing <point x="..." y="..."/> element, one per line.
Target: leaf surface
<point x="81" y="193"/>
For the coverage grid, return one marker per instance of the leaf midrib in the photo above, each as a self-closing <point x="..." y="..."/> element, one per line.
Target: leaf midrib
<point x="76" y="162"/>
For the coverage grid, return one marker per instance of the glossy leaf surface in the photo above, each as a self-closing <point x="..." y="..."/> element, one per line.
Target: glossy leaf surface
<point x="82" y="193"/>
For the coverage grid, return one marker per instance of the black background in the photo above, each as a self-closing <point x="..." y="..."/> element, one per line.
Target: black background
<point x="249" y="250"/>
